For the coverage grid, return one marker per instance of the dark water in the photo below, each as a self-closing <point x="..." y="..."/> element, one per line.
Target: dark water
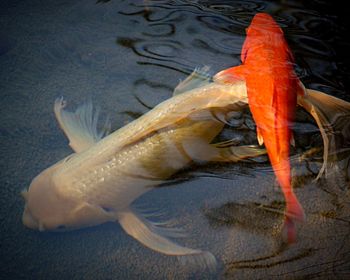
<point x="127" y="56"/>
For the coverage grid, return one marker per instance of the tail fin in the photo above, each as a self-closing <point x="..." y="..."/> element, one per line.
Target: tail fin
<point x="153" y="237"/>
<point x="332" y="116"/>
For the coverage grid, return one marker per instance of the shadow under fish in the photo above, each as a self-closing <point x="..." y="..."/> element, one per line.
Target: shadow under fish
<point x="259" y="219"/>
<point x="253" y="217"/>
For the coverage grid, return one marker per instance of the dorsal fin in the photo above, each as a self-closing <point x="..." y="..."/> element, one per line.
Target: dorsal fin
<point x="198" y="78"/>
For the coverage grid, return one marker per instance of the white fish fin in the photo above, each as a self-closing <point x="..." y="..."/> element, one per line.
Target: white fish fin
<point x="80" y="127"/>
<point x="332" y="116"/>
<point x="153" y="237"/>
<point x="199" y="77"/>
<point x="259" y="137"/>
<point x="238" y="153"/>
<point x="226" y="143"/>
<point x="202" y="151"/>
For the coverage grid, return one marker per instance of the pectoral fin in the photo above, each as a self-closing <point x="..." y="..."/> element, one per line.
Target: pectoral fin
<point x="332" y="116"/>
<point x="259" y="137"/>
<point x="230" y="75"/>
<point x="292" y="140"/>
<point x="202" y="151"/>
<point x="154" y="237"/>
<point x="80" y="127"/>
<point x="238" y="153"/>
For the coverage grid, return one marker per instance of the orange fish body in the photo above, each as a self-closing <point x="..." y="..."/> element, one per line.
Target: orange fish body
<point x="272" y="87"/>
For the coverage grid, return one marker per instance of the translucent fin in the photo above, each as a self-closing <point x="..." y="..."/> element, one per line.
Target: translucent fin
<point x="238" y="153"/>
<point x="332" y="116"/>
<point x="202" y="151"/>
<point x="292" y="140"/>
<point x="80" y="127"/>
<point x="230" y="75"/>
<point x="259" y="137"/>
<point x="154" y="237"/>
<point x="227" y="143"/>
<point x="199" y="77"/>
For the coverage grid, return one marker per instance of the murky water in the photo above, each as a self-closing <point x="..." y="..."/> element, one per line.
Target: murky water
<point x="127" y="56"/>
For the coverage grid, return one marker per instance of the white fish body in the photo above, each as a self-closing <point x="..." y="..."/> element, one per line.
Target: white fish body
<point x="99" y="182"/>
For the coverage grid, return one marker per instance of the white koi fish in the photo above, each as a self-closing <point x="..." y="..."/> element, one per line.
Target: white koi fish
<point x="98" y="183"/>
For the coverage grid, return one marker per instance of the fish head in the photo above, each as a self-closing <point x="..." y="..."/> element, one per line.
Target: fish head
<point x="45" y="208"/>
<point x="51" y="205"/>
<point x="263" y="23"/>
<point x="263" y="28"/>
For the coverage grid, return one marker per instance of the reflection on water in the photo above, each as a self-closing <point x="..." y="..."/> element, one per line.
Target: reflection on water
<point x="128" y="56"/>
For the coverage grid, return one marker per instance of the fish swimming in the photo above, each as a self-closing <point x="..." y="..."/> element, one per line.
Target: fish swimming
<point x="274" y="90"/>
<point x="99" y="182"/>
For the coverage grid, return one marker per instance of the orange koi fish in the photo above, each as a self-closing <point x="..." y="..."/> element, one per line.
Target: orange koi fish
<point x="273" y="88"/>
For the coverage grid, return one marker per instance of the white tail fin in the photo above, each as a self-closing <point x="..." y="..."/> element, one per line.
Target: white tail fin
<point x="153" y="237"/>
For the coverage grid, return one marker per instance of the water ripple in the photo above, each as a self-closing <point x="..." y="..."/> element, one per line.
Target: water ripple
<point x="221" y="24"/>
<point x="132" y="53"/>
<point x="160" y="30"/>
<point x="165" y="50"/>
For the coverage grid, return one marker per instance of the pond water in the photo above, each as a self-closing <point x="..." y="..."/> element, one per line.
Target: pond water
<point x="127" y="57"/>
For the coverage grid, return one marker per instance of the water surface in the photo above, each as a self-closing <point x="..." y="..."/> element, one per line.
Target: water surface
<point x="127" y="56"/>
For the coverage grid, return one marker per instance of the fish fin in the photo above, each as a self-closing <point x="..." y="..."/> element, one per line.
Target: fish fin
<point x="331" y="115"/>
<point x="198" y="78"/>
<point x="154" y="237"/>
<point x="80" y="127"/>
<point x="292" y="140"/>
<point x="226" y="143"/>
<point x="259" y="137"/>
<point x="230" y="75"/>
<point x="238" y="153"/>
<point x="202" y="151"/>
